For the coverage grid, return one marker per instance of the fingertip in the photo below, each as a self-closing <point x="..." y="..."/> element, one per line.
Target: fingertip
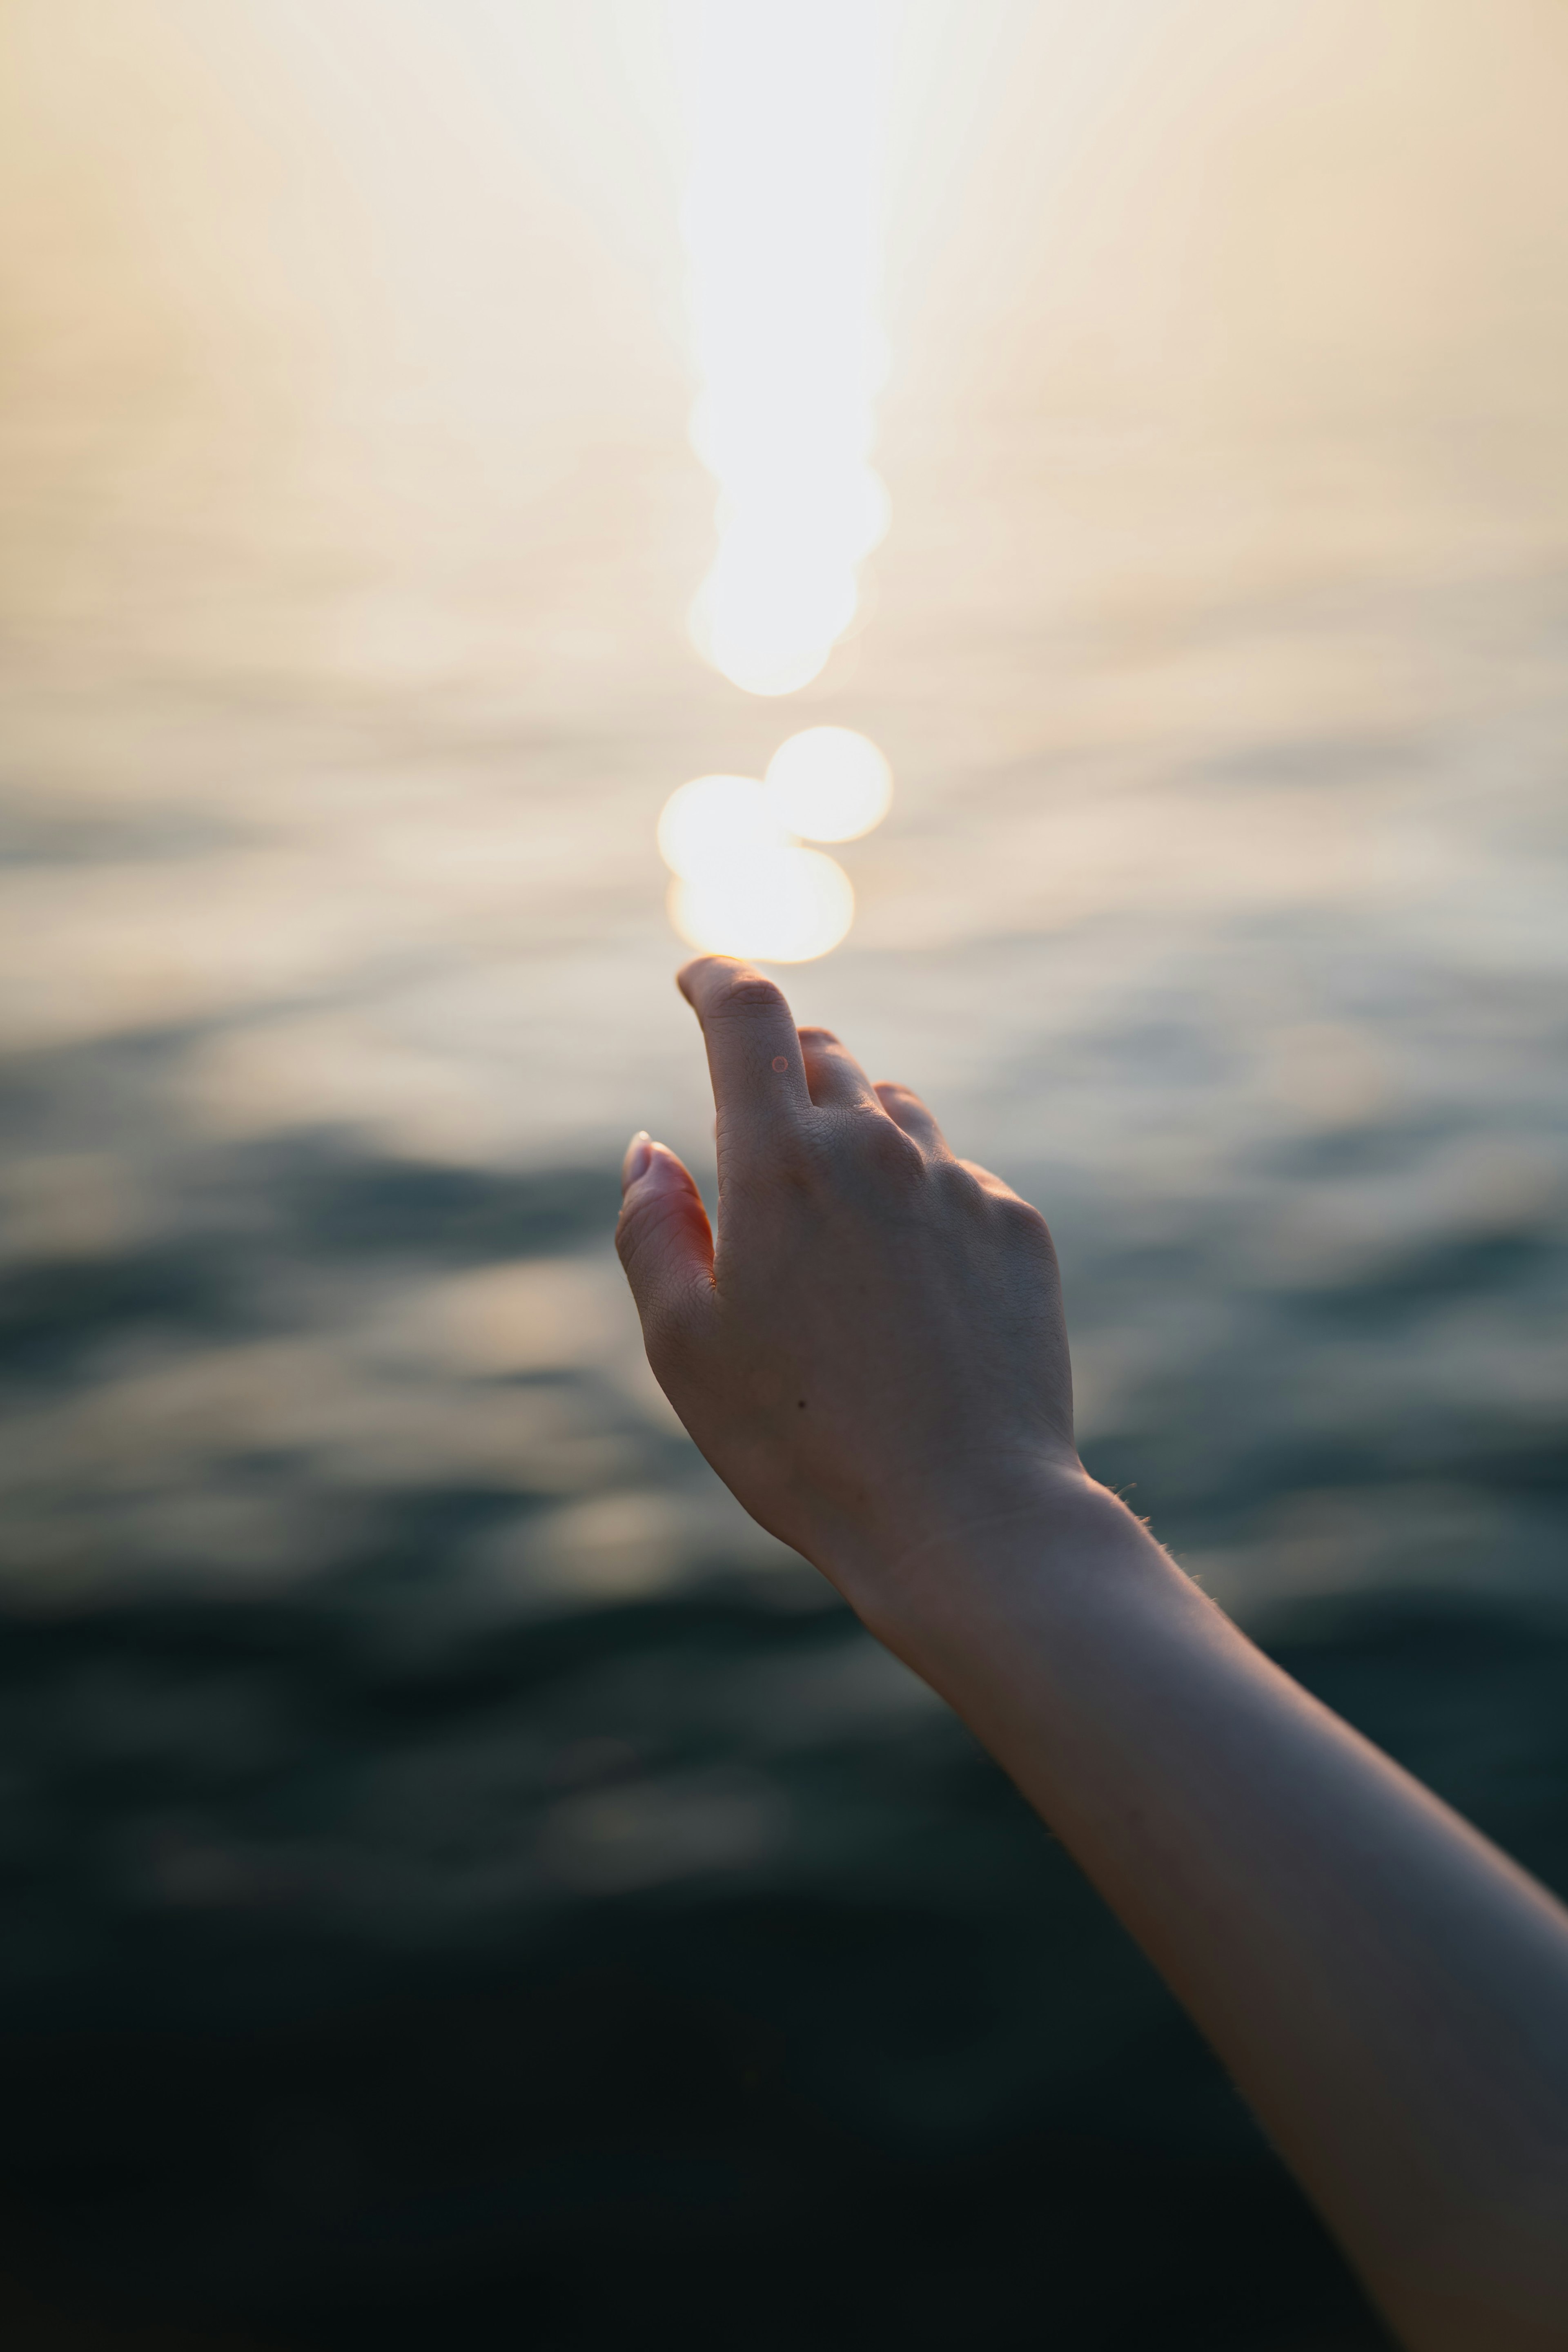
<point x="686" y="977"/>
<point x="662" y="1235"/>
<point x="639" y="1152"/>
<point x="646" y="1157"/>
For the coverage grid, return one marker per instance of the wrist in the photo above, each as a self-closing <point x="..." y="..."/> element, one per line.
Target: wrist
<point x="1051" y="1538"/>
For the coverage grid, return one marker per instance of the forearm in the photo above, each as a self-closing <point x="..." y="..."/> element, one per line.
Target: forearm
<point x="879" y="1325"/>
<point x="1389" y="1993"/>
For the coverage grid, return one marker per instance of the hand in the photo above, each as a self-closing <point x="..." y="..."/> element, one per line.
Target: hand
<point x="871" y="1352"/>
<point x="873" y="1358"/>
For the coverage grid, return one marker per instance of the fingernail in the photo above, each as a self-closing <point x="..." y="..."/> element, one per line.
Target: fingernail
<point x="639" y="1152"/>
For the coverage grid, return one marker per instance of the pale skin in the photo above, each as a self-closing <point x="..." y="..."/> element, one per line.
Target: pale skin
<point x="871" y="1353"/>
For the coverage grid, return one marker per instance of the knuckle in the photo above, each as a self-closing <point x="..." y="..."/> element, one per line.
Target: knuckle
<point x="1022" y="1213"/>
<point x="1022" y="1220"/>
<point x="748" y="993"/>
<point x="960" y="1184"/>
<point x="896" y="1156"/>
<point x="962" y="1196"/>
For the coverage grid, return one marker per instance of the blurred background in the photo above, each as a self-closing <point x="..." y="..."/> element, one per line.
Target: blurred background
<point x="462" y="1884"/>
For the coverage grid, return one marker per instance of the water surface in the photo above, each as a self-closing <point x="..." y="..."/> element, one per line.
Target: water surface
<point x="374" y="1635"/>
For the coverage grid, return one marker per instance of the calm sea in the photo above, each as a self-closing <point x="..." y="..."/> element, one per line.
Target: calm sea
<point x="457" y="1866"/>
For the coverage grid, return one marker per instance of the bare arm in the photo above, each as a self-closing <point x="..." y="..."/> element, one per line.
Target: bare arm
<point x="873" y="1357"/>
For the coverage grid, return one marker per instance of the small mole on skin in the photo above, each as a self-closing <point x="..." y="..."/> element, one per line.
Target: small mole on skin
<point x="801" y="1406"/>
<point x="781" y="1061"/>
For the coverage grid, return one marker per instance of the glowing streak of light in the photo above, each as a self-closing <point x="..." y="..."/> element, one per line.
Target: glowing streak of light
<point x="782" y="236"/>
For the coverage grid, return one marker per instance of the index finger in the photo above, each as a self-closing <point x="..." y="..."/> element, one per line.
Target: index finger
<point x="754" y="1054"/>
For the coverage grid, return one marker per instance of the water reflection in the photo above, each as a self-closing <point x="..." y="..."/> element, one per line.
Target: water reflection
<point x="829" y="784"/>
<point x="718" y="822"/>
<point x="744" y="884"/>
<point x="781" y="223"/>
<point x="790" y="907"/>
<point x="1223" y="895"/>
<point x="413" y="1766"/>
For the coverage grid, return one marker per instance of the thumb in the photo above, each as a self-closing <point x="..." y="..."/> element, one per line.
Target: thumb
<point x="663" y="1239"/>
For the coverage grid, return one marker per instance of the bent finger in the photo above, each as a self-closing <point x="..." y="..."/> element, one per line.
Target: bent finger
<point x="990" y="1180"/>
<point x="754" y="1054"/>
<point x="663" y="1239"/>
<point x="836" y="1080"/>
<point x="904" y="1105"/>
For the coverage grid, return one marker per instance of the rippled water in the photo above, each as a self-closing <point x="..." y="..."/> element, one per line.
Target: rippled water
<point x="386" y="1675"/>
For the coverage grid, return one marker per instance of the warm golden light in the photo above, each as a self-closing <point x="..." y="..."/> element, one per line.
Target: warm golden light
<point x="829" y="785"/>
<point x="716" y="822"/>
<point x="784" y="908"/>
<point x="781" y="229"/>
<point x="744" y="884"/>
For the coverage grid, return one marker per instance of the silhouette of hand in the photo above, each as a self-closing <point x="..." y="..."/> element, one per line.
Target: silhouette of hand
<point x="871" y="1350"/>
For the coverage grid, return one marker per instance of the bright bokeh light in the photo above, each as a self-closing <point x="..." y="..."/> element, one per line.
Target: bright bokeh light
<point x="782" y="235"/>
<point x="785" y="906"/>
<point x="744" y="884"/>
<point x="716" y="822"/>
<point x="829" y="785"/>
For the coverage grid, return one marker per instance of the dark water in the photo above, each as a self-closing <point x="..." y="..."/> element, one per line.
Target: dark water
<point x="387" y="1965"/>
<point x="462" y="1885"/>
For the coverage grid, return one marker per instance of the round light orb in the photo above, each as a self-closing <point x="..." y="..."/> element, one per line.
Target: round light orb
<point x="767" y="618"/>
<point x="782" y="908"/>
<point x="718" y="822"/>
<point x="829" y="785"/>
<point x="762" y="666"/>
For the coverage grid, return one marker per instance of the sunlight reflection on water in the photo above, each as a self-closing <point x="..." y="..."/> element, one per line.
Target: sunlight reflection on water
<point x="781" y="222"/>
<point x="371" y="1626"/>
<point x="745" y="885"/>
<point x="829" y="784"/>
<point x="1217" y="654"/>
<point x="789" y="907"/>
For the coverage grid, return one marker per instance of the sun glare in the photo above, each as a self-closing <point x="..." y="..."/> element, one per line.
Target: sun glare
<point x="744" y="883"/>
<point x="828" y="784"/>
<point x="784" y="908"/>
<point x="781" y="228"/>
<point x="719" y="822"/>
